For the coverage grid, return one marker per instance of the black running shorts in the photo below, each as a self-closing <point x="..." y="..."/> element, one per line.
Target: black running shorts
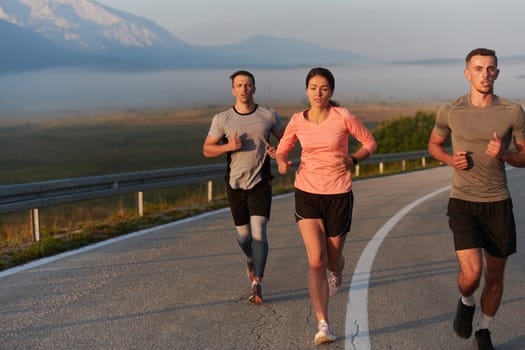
<point x="334" y="209"/>
<point x="483" y="225"/>
<point x="245" y="203"/>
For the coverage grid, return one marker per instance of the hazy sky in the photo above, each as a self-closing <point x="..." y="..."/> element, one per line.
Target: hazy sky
<point x="381" y="29"/>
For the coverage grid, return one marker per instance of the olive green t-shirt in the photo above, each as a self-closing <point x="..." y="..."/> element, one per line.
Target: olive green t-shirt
<point x="471" y="128"/>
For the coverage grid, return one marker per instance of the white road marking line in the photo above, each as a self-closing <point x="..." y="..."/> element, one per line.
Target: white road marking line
<point x="50" y="259"/>
<point x="44" y="261"/>
<point x="356" y="329"/>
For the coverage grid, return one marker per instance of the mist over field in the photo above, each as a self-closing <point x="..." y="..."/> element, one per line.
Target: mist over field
<point x="64" y="91"/>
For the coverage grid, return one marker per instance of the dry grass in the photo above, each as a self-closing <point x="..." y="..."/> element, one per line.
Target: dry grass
<point x="94" y="144"/>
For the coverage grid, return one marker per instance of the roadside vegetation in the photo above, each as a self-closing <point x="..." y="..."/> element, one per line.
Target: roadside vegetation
<point x="134" y="141"/>
<point x="404" y="133"/>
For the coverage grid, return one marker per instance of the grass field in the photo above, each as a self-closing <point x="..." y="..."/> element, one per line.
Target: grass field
<point x="88" y="145"/>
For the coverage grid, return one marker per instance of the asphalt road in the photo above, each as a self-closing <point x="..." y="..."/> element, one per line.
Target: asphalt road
<point x="184" y="286"/>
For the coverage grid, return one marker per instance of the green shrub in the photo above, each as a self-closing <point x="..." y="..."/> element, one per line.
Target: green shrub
<point x="404" y="134"/>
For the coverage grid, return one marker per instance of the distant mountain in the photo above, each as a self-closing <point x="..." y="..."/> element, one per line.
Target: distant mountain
<point x="22" y="50"/>
<point x="47" y="33"/>
<point x="85" y="25"/>
<point x="430" y="61"/>
<point x="270" y="51"/>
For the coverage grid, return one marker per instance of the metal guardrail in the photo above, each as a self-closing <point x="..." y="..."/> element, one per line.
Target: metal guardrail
<point x="31" y="196"/>
<point x="48" y="193"/>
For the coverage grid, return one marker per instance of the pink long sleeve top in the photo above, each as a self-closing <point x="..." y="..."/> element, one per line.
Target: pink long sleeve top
<point x="322" y="146"/>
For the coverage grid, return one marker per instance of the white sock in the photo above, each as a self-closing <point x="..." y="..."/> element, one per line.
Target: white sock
<point x="485" y="321"/>
<point x="469" y="301"/>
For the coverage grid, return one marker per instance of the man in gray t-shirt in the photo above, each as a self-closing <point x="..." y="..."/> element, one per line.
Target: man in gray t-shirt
<point x="243" y="133"/>
<point x="482" y="128"/>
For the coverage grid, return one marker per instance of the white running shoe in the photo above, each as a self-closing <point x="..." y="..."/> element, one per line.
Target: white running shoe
<point x="324" y="334"/>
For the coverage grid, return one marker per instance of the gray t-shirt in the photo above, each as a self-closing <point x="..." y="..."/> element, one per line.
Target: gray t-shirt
<point x="248" y="165"/>
<point x="471" y="128"/>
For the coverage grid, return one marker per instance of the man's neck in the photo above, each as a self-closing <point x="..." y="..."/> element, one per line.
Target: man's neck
<point x="479" y="99"/>
<point x="245" y="108"/>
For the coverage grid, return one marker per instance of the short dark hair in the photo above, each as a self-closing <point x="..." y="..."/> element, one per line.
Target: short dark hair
<point x="245" y="73"/>
<point x="481" y="52"/>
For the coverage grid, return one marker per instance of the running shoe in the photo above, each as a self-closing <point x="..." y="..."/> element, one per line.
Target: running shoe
<point x="324" y="334"/>
<point x="482" y="340"/>
<point x="256" y="296"/>
<point x="463" y="320"/>
<point x="334" y="283"/>
<point x="249" y="270"/>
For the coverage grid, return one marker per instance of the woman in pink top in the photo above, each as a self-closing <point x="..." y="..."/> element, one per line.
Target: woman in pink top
<point x="323" y="196"/>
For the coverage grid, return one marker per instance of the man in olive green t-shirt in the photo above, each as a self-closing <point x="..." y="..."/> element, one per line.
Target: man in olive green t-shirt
<point x="482" y="127"/>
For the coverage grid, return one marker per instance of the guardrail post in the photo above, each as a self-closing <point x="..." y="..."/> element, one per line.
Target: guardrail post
<point x="381" y="168"/>
<point x="35" y="224"/>
<point x="404" y="164"/>
<point x="210" y="191"/>
<point x="140" y="204"/>
<point x="423" y="162"/>
<point x="356" y="172"/>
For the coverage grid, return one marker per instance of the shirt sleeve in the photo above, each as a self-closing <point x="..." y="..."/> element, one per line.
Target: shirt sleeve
<point x="361" y="133"/>
<point x="278" y="123"/>
<point x="216" y="127"/>
<point x="441" y="125"/>
<point x="289" y="138"/>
